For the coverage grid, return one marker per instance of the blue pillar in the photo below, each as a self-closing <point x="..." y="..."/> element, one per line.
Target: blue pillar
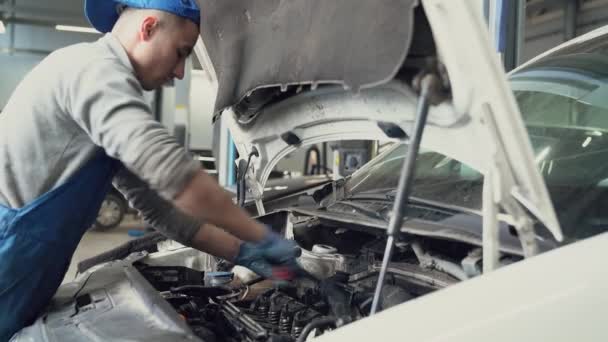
<point x="508" y="27"/>
<point x="231" y="161"/>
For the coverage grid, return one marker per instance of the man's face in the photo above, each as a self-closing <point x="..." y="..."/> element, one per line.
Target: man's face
<point x="161" y="57"/>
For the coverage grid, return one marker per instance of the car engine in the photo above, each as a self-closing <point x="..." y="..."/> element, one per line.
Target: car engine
<point x="344" y="264"/>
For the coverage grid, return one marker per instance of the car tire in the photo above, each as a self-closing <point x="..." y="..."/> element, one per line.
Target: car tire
<point x="111" y="213"/>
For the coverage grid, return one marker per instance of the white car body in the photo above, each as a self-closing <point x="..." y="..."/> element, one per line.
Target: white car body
<point x="558" y="296"/>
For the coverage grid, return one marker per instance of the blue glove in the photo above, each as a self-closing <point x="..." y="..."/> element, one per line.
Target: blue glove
<point x="271" y="258"/>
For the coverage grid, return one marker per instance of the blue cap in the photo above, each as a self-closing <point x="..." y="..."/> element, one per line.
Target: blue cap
<point x="103" y="14"/>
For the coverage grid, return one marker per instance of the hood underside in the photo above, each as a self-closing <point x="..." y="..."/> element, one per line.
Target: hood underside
<point x="261" y="44"/>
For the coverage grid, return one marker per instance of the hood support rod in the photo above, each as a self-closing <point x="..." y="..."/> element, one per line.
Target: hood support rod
<point x="431" y="90"/>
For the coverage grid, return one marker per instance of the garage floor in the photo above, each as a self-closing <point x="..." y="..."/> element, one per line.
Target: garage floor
<point x="94" y="243"/>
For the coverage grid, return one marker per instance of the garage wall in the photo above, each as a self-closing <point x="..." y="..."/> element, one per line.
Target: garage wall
<point x="31" y="35"/>
<point x="547" y="28"/>
<point x="13" y="69"/>
<point x="202" y="100"/>
<point x="30" y="45"/>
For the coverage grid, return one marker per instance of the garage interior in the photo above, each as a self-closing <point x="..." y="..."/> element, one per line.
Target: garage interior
<point x="30" y="30"/>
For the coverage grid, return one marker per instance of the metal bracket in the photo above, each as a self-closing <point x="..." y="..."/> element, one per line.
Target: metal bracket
<point x="470" y="264"/>
<point x="496" y="196"/>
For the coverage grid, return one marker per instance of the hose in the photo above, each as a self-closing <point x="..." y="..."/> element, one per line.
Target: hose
<point x="317" y="323"/>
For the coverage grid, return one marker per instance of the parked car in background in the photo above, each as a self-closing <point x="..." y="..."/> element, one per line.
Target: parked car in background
<point x="112" y="211"/>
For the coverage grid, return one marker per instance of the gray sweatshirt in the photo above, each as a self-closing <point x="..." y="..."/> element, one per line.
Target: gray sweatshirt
<point x="77" y="101"/>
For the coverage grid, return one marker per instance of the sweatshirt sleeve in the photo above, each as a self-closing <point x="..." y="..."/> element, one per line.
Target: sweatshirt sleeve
<point x="155" y="210"/>
<point x="107" y="102"/>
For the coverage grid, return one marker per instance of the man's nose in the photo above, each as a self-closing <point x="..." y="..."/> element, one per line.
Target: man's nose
<point x="180" y="70"/>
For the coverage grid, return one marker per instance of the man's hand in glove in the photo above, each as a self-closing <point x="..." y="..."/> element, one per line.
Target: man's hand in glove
<point x="271" y="258"/>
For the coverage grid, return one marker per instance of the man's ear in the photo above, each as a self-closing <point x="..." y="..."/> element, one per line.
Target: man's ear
<point x="148" y="28"/>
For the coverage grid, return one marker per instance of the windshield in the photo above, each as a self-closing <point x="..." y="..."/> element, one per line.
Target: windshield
<point x="438" y="178"/>
<point x="564" y="102"/>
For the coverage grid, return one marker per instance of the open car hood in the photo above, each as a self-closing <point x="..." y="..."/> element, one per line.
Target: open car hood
<point x="263" y="45"/>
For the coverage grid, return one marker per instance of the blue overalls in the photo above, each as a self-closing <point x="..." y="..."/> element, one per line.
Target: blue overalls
<point x="37" y="242"/>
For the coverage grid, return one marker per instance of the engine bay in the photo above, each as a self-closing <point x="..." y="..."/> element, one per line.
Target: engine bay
<point x="264" y="311"/>
<point x="221" y="305"/>
<point x="164" y="291"/>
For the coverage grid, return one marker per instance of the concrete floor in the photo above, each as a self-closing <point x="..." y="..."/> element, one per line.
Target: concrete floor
<point x="94" y="243"/>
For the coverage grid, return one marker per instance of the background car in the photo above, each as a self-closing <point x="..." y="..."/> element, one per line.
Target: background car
<point x="112" y="211"/>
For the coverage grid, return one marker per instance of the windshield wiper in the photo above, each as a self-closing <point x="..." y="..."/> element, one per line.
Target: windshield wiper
<point x="389" y="195"/>
<point x="362" y="209"/>
<point x="435" y="204"/>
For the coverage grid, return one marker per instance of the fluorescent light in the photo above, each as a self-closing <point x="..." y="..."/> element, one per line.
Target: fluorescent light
<point x="81" y="29"/>
<point x="2" y="28"/>
<point x="586" y="142"/>
<point x="543" y="154"/>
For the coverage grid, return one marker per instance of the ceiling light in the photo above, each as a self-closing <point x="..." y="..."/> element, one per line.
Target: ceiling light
<point x="543" y="154"/>
<point x="2" y="28"/>
<point x="81" y="29"/>
<point x="586" y="142"/>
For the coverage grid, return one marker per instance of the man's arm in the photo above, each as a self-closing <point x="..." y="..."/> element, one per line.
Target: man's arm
<point x="172" y="222"/>
<point x="204" y="198"/>
<point x="261" y="257"/>
<point x="217" y="242"/>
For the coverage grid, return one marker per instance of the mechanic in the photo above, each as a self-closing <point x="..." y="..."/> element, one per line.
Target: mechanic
<point x="78" y="123"/>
